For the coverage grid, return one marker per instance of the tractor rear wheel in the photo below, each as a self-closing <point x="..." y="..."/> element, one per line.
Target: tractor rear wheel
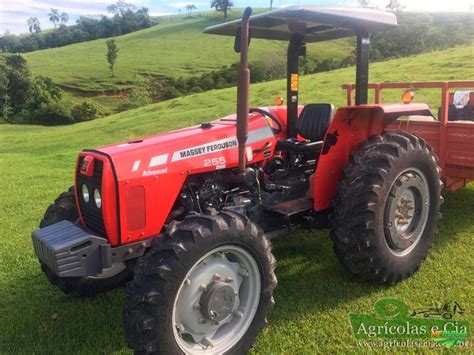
<point x="64" y="209"/>
<point x="204" y="287"/>
<point x="387" y="207"/>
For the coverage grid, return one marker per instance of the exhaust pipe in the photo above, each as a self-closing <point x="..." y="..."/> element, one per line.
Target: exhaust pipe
<point x="243" y="90"/>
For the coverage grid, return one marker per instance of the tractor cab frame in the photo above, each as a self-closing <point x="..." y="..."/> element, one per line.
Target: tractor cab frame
<point x="299" y="25"/>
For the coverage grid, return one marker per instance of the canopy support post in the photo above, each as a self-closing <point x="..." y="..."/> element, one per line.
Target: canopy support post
<point x="243" y="90"/>
<point x="296" y="49"/>
<point x="362" y="69"/>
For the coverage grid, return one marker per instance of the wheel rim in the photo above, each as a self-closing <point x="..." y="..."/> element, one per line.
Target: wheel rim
<point x="217" y="301"/>
<point x="406" y="211"/>
<point x="115" y="269"/>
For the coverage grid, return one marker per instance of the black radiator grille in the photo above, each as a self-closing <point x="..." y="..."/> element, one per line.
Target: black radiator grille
<point x="93" y="217"/>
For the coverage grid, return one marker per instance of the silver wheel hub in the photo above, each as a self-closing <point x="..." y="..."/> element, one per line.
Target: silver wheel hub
<point x="217" y="301"/>
<point x="406" y="211"/>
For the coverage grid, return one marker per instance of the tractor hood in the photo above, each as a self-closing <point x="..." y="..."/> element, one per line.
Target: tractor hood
<point x="209" y="146"/>
<point x="140" y="180"/>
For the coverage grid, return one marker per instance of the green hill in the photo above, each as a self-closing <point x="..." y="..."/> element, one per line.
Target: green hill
<point x="175" y="48"/>
<point x="314" y="295"/>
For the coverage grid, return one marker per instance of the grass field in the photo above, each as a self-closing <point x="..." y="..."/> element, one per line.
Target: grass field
<point x="175" y="48"/>
<point x="314" y="295"/>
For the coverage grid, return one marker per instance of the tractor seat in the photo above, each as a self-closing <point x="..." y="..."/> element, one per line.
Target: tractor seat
<point x="312" y="124"/>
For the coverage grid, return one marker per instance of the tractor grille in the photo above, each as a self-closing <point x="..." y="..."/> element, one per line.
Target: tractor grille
<point x="92" y="215"/>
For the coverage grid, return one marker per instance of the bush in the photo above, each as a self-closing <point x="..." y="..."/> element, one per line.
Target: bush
<point x="141" y="95"/>
<point x="171" y="93"/>
<point x="87" y="111"/>
<point x="50" y="113"/>
<point x="42" y="90"/>
<point x="28" y="99"/>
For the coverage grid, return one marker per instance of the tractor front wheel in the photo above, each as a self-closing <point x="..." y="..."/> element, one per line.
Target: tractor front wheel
<point x="204" y="287"/>
<point x="387" y="207"/>
<point x="64" y="209"/>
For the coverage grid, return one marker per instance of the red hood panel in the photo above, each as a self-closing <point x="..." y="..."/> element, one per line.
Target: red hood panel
<point x="188" y="150"/>
<point x="159" y="165"/>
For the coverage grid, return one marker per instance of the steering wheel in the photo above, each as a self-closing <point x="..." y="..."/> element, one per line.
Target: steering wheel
<point x="276" y="130"/>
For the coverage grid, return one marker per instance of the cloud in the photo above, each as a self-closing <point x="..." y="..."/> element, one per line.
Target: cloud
<point x="427" y="5"/>
<point x="156" y="14"/>
<point x="35" y="7"/>
<point x="182" y="4"/>
<point x="14" y="13"/>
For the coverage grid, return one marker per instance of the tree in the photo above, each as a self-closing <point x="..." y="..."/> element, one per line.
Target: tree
<point x="34" y="25"/>
<point x="5" y="107"/>
<point x="112" y="54"/>
<point x="54" y="16"/>
<point x="36" y="100"/>
<point x="364" y="3"/>
<point x="86" y="28"/>
<point x="395" y="6"/>
<point x="144" y="18"/>
<point x="79" y="36"/>
<point x="9" y="42"/>
<point x="271" y="5"/>
<point x="64" y="17"/>
<point x="222" y="5"/>
<point x="120" y="7"/>
<point x="89" y="25"/>
<point x="29" y="43"/>
<point x="190" y="8"/>
<point x="19" y="81"/>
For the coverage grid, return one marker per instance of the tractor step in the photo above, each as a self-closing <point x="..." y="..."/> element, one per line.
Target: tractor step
<point x="291" y="207"/>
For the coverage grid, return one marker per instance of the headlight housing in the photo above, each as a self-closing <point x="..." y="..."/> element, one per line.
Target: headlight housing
<point x="97" y="198"/>
<point x="85" y="193"/>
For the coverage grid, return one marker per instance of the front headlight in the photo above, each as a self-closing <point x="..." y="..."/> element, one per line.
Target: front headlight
<point x="85" y="193"/>
<point x="97" y="198"/>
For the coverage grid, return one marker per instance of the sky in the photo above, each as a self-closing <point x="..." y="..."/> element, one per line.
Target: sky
<point x="15" y="13"/>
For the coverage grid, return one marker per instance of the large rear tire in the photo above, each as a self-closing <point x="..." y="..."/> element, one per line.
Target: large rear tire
<point x="205" y="286"/>
<point x="387" y="208"/>
<point x="64" y="209"/>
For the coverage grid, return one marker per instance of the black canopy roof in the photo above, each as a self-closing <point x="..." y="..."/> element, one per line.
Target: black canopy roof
<point x="317" y="23"/>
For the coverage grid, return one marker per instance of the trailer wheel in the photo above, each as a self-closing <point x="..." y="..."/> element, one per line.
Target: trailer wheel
<point x="447" y="315"/>
<point x="386" y="209"/>
<point x="205" y="286"/>
<point x="64" y="208"/>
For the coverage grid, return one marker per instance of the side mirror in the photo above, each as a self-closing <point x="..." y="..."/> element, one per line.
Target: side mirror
<point x="238" y="33"/>
<point x="238" y="40"/>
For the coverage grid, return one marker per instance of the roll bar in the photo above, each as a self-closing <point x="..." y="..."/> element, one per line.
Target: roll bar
<point x="305" y="24"/>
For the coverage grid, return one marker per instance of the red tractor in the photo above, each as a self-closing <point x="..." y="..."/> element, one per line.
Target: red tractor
<point x="188" y="214"/>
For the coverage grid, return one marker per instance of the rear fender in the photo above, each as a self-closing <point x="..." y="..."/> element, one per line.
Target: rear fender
<point x="350" y="127"/>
